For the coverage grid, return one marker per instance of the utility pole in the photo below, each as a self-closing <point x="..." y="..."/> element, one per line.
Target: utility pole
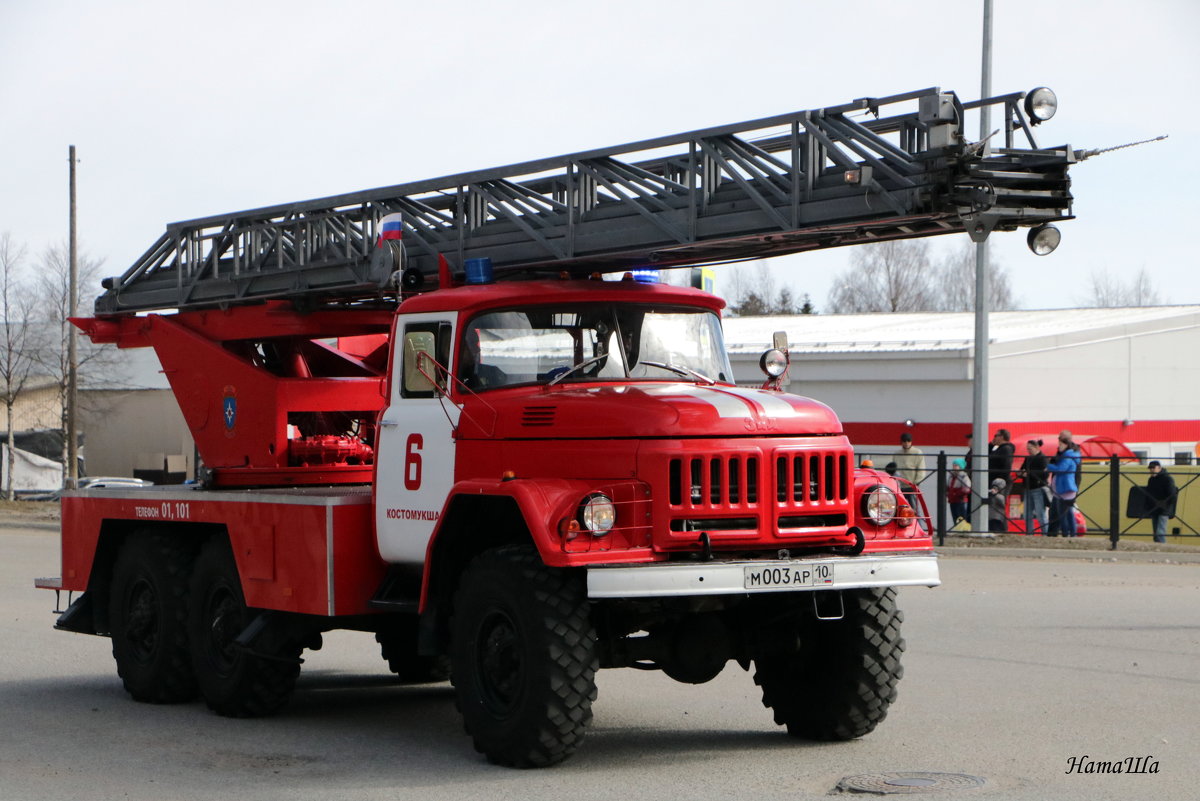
<point x="72" y="472"/>
<point x="979" y="398"/>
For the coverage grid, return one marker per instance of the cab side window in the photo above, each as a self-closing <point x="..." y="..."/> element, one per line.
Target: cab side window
<point x="425" y="359"/>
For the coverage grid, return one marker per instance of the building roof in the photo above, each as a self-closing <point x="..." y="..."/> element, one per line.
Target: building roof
<point x="947" y="331"/>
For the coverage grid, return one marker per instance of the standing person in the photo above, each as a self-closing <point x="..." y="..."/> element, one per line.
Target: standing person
<point x="1063" y="465"/>
<point x="958" y="491"/>
<point x="1033" y="472"/>
<point x="997" y="517"/>
<point x="910" y="463"/>
<point x="974" y="473"/>
<point x="1000" y="458"/>
<point x="1162" y="491"/>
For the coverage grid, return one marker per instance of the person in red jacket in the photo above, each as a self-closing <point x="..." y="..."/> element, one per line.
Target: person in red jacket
<point x="958" y="491"/>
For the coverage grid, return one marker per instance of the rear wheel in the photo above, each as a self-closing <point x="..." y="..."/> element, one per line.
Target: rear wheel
<point x="842" y="679"/>
<point x="148" y="618"/>
<point x="233" y="681"/>
<point x="524" y="658"/>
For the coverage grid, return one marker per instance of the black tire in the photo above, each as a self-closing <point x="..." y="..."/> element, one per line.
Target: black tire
<point x="148" y="618"/>
<point x="842" y="680"/>
<point x="398" y="644"/>
<point x="523" y="656"/>
<point x="232" y="681"/>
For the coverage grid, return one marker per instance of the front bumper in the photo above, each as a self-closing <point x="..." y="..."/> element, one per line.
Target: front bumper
<point x="731" y="578"/>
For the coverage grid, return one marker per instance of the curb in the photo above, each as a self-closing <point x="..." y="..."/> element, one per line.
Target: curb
<point x="37" y="525"/>
<point x="1160" y="557"/>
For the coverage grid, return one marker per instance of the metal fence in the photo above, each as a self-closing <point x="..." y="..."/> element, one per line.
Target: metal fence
<point x="1111" y="497"/>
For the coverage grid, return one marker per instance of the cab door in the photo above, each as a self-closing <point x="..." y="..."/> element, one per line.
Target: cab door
<point x="415" y="449"/>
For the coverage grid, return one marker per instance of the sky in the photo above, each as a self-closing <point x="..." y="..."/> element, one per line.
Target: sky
<point x="182" y="110"/>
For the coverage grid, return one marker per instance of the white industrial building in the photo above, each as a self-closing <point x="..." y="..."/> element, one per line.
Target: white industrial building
<point x="1132" y="374"/>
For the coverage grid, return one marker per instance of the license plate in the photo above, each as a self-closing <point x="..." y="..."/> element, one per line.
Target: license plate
<point x="781" y="576"/>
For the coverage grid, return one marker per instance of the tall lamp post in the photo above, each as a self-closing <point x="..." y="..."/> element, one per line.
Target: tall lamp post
<point x="72" y="471"/>
<point x="979" y="398"/>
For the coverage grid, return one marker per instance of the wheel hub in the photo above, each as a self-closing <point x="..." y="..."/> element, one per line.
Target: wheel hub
<point x="142" y="621"/>
<point x="500" y="664"/>
<point x="226" y="626"/>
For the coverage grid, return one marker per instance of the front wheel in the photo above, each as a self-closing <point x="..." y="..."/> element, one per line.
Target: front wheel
<point x="523" y="658"/>
<point x="233" y="681"/>
<point x="842" y="679"/>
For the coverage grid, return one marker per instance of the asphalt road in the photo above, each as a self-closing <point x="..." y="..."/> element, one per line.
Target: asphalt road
<point x="1013" y="667"/>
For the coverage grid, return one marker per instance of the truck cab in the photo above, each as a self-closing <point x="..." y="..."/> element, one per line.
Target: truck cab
<point x="588" y="436"/>
<point x="606" y="411"/>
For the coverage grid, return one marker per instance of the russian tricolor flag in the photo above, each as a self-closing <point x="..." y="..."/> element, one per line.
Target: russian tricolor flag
<point x="390" y="227"/>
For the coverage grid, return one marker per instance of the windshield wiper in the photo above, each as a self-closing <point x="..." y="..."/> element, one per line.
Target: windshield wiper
<point x="580" y="366"/>
<point x="683" y="371"/>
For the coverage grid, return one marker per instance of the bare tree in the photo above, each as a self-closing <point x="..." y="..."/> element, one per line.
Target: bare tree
<point x="891" y="276"/>
<point x="754" y="293"/>
<point x="94" y="364"/>
<point x="957" y="282"/>
<point x="753" y="289"/>
<point x="785" y="304"/>
<point x="18" y="341"/>
<point x="1108" y="291"/>
<point x="901" y="276"/>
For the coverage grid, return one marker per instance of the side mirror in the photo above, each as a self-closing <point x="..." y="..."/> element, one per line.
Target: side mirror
<point x="419" y="363"/>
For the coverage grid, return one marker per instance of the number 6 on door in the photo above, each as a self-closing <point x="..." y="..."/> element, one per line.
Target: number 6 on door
<point x="412" y="462"/>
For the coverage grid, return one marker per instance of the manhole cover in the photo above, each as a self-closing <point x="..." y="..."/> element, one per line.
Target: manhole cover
<point x="908" y="782"/>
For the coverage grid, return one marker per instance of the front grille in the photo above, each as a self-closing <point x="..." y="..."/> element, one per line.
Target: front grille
<point x="801" y="479"/>
<point x="807" y="478"/>
<point x="788" y="495"/>
<point x="708" y="481"/>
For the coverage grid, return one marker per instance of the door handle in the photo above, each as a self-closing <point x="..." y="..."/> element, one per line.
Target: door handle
<point x="389" y="423"/>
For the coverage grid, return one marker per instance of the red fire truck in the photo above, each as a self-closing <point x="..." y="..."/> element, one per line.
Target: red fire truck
<point x="424" y="414"/>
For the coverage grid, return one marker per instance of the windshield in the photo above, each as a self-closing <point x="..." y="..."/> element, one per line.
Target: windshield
<point x="592" y="342"/>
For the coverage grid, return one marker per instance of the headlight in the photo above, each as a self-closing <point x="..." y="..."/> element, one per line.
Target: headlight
<point x="598" y="514"/>
<point x="774" y="362"/>
<point x="1040" y="104"/>
<point x="1043" y="239"/>
<point x="879" y="505"/>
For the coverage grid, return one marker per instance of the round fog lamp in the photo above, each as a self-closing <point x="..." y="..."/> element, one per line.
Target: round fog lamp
<point x="1044" y="239"/>
<point x="1041" y="104"/>
<point x="598" y="514"/>
<point x="774" y="362"/>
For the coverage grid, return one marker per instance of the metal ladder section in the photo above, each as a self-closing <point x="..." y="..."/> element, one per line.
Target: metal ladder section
<point x="807" y="180"/>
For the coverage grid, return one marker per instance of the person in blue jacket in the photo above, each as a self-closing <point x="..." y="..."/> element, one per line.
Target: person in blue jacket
<point x="1063" y="467"/>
